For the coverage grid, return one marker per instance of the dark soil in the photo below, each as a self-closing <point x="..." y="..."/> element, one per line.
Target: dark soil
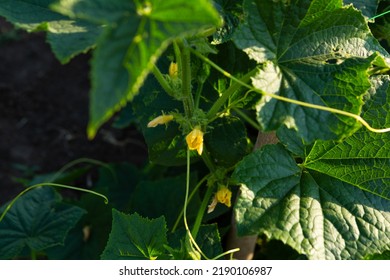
<point x="44" y="113"/>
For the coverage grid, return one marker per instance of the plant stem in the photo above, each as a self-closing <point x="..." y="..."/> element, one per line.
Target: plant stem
<point x="161" y="80"/>
<point x="188" y="101"/>
<point x="380" y="15"/>
<point x="201" y="211"/>
<point x="197" y="95"/>
<point x="186" y="204"/>
<point x="227" y="93"/>
<point x="177" y="51"/>
<point x="200" y="183"/>
<point x="82" y="160"/>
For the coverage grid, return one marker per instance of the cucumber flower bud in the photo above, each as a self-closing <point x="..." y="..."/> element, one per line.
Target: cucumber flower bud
<point x="163" y="119"/>
<point x="223" y="195"/>
<point x="173" y="70"/>
<point x="195" y="140"/>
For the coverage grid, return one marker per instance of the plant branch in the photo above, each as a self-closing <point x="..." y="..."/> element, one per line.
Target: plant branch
<point x="162" y="81"/>
<point x="227" y="93"/>
<point x="200" y="183"/>
<point x="201" y="211"/>
<point x="188" y="101"/>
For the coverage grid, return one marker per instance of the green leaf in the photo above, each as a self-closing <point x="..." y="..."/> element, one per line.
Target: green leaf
<point x="317" y="52"/>
<point x="134" y="237"/>
<point x="227" y="141"/>
<point x="314" y="213"/>
<point x="164" y="197"/>
<point x="31" y="15"/>
<point x="384" y="256"/>
<point x="362" y="160"/>
<point x="118" y="181"/>
<point x="208" y="240"/>
<point x="37" y="220"/>
<point x="135" y="36"/>
<point x="231" y="12"/>
<point x="290" y="139"/>
<point x="336" y="203"/>
<point x="67" y="37"/>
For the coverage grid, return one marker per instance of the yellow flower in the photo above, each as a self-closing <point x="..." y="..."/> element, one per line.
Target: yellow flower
<point x="163" y="119"/>
<point x="224" y="196"/>
<point x="195" y="140"/>
<point x="173" y="70"/>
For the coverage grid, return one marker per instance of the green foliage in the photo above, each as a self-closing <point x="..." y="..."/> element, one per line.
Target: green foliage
<point x="227" y="141"/>
<point x="163" y="197"/>
<point x="325" y="207"/>
<point x="66" y="36"/>
<point x="166" y="145"/>
<point x="134" y="237"/>
<point x="318" y="215"/>
<point x="384" y="256"/>
<point x="134" y="36"/>
<point x="37" y="221"/>
<point x="312" y="51"/>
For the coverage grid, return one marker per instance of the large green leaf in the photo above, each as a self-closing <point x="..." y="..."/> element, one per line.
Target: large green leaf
<point x="67" y="37"/>
<point x="227" y="141"/>
<point x="316" y="214"/>
<point x="136" y="34"/>
<point x="336" y="203"/>
<point x="37" y="221"/>
<point x="118" y="181"/>
<point x="134" y="237"/>
<point x="312" y="51"/>
<point x="362" y="160"/>
<point x="164" y="197"/>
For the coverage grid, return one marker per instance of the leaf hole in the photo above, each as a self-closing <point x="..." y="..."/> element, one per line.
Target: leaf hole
<point x="334" y="61"/>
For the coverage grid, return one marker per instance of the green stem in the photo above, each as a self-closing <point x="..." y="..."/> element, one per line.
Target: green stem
<point x="186" y="204"/>
<point x="78" y="161"/>
<point x="201" y="211"/>
<point x="200" y="183"/>
<point x="177" y="51"/>
<point x="162" y="81"/>
<point x="227" y="93"/>
<point x="293" y="101"/>
<point x="197" y="95"/>
<point x="380" y="15"/>
<point x="188" y="101"/>
<point x="52" y="185"/>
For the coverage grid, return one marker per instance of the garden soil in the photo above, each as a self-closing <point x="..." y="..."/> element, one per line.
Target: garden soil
<point x="44" y="113"/>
